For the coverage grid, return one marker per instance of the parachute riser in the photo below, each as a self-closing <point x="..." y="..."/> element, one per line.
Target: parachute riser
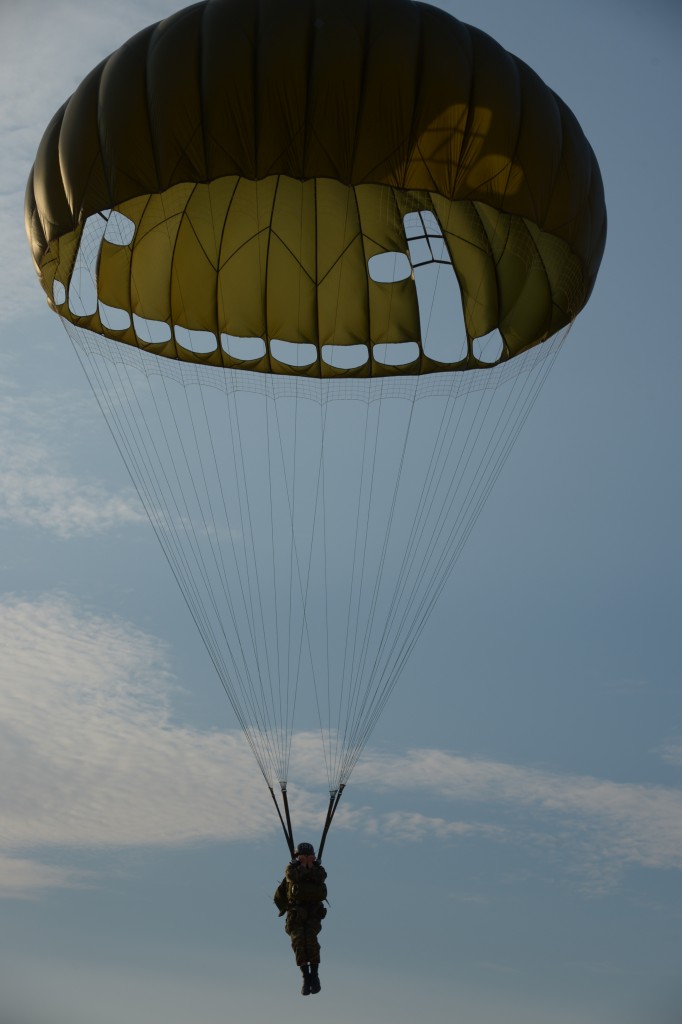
<point x="334" y="797"/>
<point x="286" y="827"/>
<point x="285" y="819"/>
<point x="290" y="831"/>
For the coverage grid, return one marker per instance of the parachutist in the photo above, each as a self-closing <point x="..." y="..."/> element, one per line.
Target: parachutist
<point x="300" y="896"/>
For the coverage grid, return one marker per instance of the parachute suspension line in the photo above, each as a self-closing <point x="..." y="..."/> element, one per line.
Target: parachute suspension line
<point x="313" y="533"/>
<point x="194" y="599"/>
<point x="247" y="693"/>
<point x="195" y="546"/>
<point x="259" y="709"/>
<point x="352" y="200"/>
<point x="251" y="574"/>
<point x="247" y="680"/>
<point x="320" y="491"/>
<point x="277" y="720"/>
<point x="434" y="471"/>
<point x="250" y="556"/>
<point x="423" y="512"/>
<point x="304" y="630"/>
<point x="325" y="589"/>
<point x="392" y="671"/>
<point x="290" y="496"/>
<point x="218" y="550"/>
<point x="389" y="674"/>
<point x="436" y="466"/>
<point x="354" y="681"/>
<point x="151" y="491"/>
<point x="208" y="533"/>
<point x="294" y="559"/>
<point x="219" y="479"/>
<point x="393" y="668"/>
<point x="427" y="497"/>
<point x="416" y="535"/>
<point x="290" y="493"/>
<point x="452" y="550"/>
<point x="147" y="485"/>
<point x="507" y="433"/>
<point x="157" y="503"/>
<point x="356" y="667"/>
<point x="264" y="277"/>
<point x="251" y="696"/>
<point x="359" y="708"/>
<point x="502" y="457"/>
<point x="351" y="590"/>
<point x="290" y="711"/>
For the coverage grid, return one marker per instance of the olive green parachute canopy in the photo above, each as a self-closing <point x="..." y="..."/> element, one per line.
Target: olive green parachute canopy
<point x="263" y="152"/>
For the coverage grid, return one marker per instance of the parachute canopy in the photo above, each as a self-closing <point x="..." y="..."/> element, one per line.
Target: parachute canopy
<point x="263" y="153"/>
<point x="295" y="204"/>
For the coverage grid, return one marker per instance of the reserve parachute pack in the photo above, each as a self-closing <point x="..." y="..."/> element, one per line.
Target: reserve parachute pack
<point x="306" y="887"/>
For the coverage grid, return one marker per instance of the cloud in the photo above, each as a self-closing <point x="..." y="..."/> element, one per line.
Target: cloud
<point x="24" y="878"/>
<point x="34" y="491"/>
<point x="87" y="737"/>
<point x="98" y="761"/>
<point x="46" y="49"/>
<point x="31" y="494"/>
<point x="671" y="751"/>
<point x="606" y="825"/>
<point x="405" y="826"/>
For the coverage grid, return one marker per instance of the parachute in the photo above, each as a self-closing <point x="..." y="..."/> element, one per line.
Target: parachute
<point x="316" y="259"/>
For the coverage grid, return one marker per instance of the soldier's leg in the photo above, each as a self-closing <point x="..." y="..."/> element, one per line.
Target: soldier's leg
<point x="313" y="951"/>
<point x="295" y="929"/>
<point x="299" y="945"/>
<point x="314" y="979"/>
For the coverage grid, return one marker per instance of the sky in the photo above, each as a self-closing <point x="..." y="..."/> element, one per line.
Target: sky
<point x="510" y="844"/>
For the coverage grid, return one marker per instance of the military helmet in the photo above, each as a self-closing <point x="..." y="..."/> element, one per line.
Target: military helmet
<point x="304" y="850"/>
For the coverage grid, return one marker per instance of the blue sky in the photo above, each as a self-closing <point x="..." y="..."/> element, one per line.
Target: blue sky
<point x="509" y="846"/>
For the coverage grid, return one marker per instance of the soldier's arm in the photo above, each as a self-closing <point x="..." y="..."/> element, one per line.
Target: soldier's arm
<point x="280" y="897"/>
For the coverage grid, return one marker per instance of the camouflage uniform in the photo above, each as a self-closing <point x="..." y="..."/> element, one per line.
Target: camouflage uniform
<point x="299" y="895"/>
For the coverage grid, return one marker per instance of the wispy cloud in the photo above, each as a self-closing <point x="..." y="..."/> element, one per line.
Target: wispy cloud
<point x="34" y="488"/>
<point x="32" y="494"/>
<point x="45" y="51"/>
<point x="412" y="827"/>
<point x="97" y="760"/>
<point x="25" y="878"/>
<point x="87" y="737"/>
<point x="606" y="825"/>
<point x="671" y="750"/>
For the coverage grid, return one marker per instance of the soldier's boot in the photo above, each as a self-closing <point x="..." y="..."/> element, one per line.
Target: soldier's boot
<point x="305" y="988"/>
<point x="314" y="979"/>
